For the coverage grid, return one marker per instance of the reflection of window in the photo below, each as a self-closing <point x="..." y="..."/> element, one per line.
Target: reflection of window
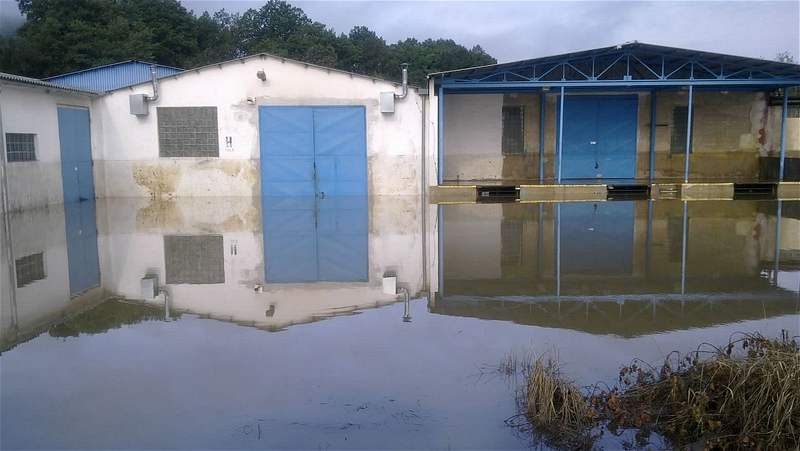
<point x="511" y="239"/>
<point x="29" y="269"/>
<point x="20" y="147"/>
<point x="194" y="259"/>
<point x="675" y="237"/>
<point x="680" y="119"/>
<point x="188" y="132"/>
<point x="513" y="129"/>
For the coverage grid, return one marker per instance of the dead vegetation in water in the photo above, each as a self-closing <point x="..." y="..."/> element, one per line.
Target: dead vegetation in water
<point x="745" y="395"/>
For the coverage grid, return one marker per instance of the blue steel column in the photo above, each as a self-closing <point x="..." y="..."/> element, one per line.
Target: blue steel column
<point x="683" y="246"/>
<point x="542" y="104"/>
<point x="558" y="249"/>
<point x="777" y="264"/>
<point x="560" y="132"/>
<point x="783" y="132"/>
<point x="688" y="134"/>
<point x="652" y="134"/>
<point x="440" y="136"/>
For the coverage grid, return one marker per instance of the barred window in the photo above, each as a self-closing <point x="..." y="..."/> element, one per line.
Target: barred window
<point x="513" y="130"/>
<point x="29" y="269"/>
<point x="188" y="132"/>
<point x="793" y="111"/>
<point x="680" y="119"/>
<point x="20" y="147"/>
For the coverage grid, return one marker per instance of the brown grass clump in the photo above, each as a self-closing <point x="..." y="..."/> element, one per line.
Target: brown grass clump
<point x="743" y="396"/>
<point x="556" y="409"/>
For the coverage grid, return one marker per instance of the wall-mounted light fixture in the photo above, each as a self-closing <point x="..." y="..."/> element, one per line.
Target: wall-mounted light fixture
<point x="261" y="75"/>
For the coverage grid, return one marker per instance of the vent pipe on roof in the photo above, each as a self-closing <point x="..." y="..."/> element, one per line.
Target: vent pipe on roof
<point x="154" y="79"/>
<point x="405" y="82"/>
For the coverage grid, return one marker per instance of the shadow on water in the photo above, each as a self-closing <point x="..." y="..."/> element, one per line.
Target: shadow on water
<point x="600" y="283"/>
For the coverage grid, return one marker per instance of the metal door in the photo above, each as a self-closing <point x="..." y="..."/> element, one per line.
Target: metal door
<point x="76" y="153"/>
<point x="308" y="151"/>
<point x="81" y="230"/>
<point x="599" y="137"/>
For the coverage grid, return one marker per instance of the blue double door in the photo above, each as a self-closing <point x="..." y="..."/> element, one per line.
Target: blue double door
<point x="599" y="137"/>
<point x="313" y="151"/>
<point x="314" y="193"/>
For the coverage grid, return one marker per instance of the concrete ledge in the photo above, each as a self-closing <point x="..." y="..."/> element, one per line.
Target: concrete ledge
<point x="707" y="191"/>
<point x="551" y="193"/>
<point x="665" y="191"/>
<point x="789" y="190"/>
<point x="446" y="194"/>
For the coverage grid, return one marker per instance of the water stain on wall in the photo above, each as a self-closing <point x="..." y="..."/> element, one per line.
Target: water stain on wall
<point x="160" y="181"/>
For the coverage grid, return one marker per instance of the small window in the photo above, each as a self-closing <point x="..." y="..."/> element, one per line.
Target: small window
<point x="513" y="130"/>
<point x="188" y="132"/>
<point x="194" y="259"/>
<point x="29" y="269"/>
<point x="20" y="147"/>
<point x="680" y="116"/>
<point x="793" y="110"/>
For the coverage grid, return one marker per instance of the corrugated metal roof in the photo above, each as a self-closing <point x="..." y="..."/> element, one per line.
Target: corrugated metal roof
<point x="43" y="84"/>
<point x="112" y="76"/>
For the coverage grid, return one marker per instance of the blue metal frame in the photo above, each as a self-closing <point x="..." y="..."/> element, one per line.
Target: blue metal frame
<point x="560" y="131"/>
<point x="783" y="134"/>
<point x="689" y="115"/>
<point x="652" y="155"/>
<point x="542" y="104"/>
<point x="633" y="64"/>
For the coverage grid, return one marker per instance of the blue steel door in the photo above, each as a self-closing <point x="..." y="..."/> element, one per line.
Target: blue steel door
<point x="287" y="151"/>
<point x="340" y="151"/>
<point x="81" y="230"/>
<point x="599" y="137"/>
<point x="76" y="153"/>
<point x="308" y="151"/>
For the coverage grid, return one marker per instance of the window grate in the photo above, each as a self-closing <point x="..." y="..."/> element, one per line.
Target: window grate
<point x="29" y="269"/>
<point x="188" y="132"/>
<point x="513" y="130"/>
<point x="20" y="147"/>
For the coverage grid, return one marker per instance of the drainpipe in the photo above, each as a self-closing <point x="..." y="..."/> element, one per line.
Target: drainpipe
<point x="154" y="79"/>
<point x="6" y="213"/>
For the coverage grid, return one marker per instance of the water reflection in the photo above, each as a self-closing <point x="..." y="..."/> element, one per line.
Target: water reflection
<point x="601" y="282"/>
<point x="621" y="267"/>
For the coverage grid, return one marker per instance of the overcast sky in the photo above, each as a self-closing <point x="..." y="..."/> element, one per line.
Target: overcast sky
<point x="520" y="30"/>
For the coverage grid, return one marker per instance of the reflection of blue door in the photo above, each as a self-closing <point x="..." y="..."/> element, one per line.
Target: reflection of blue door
<point x="308" y="239"/>
<point x="76" y="153"/>
<point x="308" y="151"/>
<point x="81" y="228"/>
<point x="599" y="137"/>
<point x="597" y="238"/>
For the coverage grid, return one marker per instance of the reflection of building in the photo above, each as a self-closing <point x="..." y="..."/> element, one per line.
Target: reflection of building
<point x="210" y="254"/>
<point x="531" y="262"/>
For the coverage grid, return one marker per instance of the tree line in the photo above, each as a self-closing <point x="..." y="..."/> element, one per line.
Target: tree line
<point x="60" y="36"/>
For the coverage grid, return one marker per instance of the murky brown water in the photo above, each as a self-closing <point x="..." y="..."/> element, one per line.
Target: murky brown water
<point x="279" y="334"/>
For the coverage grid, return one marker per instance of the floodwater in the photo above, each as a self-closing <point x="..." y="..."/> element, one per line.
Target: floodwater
<point x="277" y="332"/>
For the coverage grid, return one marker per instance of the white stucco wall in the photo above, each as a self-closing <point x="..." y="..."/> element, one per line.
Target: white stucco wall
<point x="473" y="136"/>
<point x="27" y="109"/>
<point x="129" y="154"/>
